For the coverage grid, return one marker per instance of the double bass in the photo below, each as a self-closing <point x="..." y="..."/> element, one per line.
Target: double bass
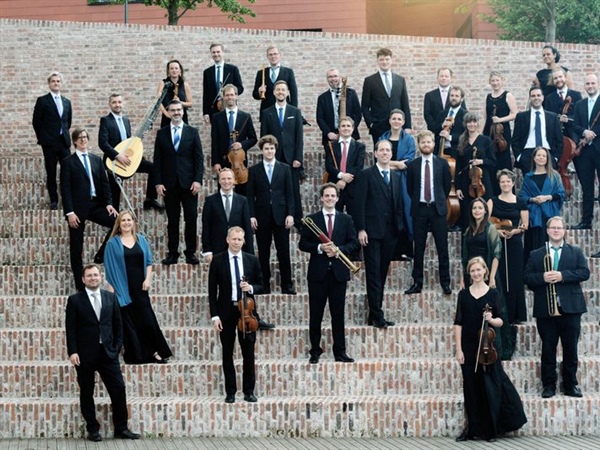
<point x="567" y="154"/>
<point x="453" y="202"/>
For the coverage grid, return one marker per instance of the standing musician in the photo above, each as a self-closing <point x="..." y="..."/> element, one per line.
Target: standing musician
<point x="344" y="158"/>
<point x="232" y="135"/>
<point x="327" y="275"/>
<point x="214" y="78"/>
<point x="114" y="129"/>
<point x="435" y="101"/>
<point x="450" y="123"/>
<point x="179" y="90"/>
<point x="329" y="104"/>
<point x="266" y="78"/>
<point x="232" y="275"/>
<point x="554" y="273"/>
<point x="586" y="129"/>
<point x="555" y="101"/>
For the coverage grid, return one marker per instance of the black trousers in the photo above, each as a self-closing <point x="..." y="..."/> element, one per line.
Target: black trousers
<point x="53" y="154"/>
<point x="247" y="342"/>
<point x="426" y="217"/>
<point x="318" y="294"/>
<point x="145" y="167"/>
<point x="566" y="328"/>
<point x="110" y="373"/>
<point x="587" y="165"/>
<point x="281" y="235"/>
<point x="176" y="199"/>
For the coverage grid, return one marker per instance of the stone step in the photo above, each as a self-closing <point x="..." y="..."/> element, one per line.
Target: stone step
<point x="282" y="378"/>
<point x="435" y="340"/>
<point x="311" y="416"/>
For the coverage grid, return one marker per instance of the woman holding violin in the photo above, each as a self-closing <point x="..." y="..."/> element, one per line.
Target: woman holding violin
<point x="179" y="90"/>
<point x="500" y="110"/>
<point x="511" y="217"/>
<point x="492" y="404"/>
<point x="475" y="166"/>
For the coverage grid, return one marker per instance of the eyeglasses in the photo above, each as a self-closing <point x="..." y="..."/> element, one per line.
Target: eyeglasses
<point x="556" y="228"/>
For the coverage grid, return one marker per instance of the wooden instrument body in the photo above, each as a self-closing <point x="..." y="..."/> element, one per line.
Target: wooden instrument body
<point x="236" y="158"/>
<point x="569" y="149"/>
<point x="453" y="202"/>
<point x="131" y="147"/>
<point x="497" y="135"/>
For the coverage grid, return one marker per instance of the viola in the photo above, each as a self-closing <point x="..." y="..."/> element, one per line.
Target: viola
<point x="453" y="202"/>
<point x="486" y="353"/>
<point x="476" y="187"/>
<point x="569" y="148"/>
<point x="247" y="322"/>
<point x="497" y="135"/>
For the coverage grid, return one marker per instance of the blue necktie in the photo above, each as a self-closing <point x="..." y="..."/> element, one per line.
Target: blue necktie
<point x="386" y="179"/>
<point x="538" y="129"/>
<point x="238" y="278"/>
<point x="86" y="164"/>
<point x="451" y="113"/>
<point x="273" y="74"/>
<point x="231" y="124"/>
<point x="121" y="128"/>
<point x="218" y="80"/>
<point x="176" y="138"/>
<point x="281" y="117"/>
<point x="270" y="172"/>
<point x="388" y="88"/>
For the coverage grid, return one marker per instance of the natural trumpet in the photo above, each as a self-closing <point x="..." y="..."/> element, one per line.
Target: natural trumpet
<point x="551" y="296"/>
<point x="312" y="226"/>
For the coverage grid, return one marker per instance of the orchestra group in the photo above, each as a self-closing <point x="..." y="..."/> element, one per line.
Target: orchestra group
<point x="461" y="174"/>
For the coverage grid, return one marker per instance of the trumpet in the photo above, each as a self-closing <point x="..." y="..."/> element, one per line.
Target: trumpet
<point x="262" y="96"/>
<point x="312" y="226"/>
<point x="551" y="297"/>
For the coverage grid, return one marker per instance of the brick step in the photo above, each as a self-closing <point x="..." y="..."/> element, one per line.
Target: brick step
<point x="189" y="310"/>
<point x="282" y="378"/>
<point x="436" y="340"/>
<point x="312" y="416"/>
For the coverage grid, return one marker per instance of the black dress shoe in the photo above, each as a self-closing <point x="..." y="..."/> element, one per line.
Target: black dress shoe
<point x="380" y="324"/>
<point x="126" y="434"/>
<point x="288" y="291"/>
<point x="192" y="259"/>
<point x="414" y="289"/>
<point x="582" y="226"/>
<point x="54" y="207"/>
<point x="548" y="392"/>
<point x="250" y="398"/>
<point x="464" y="436"/>
<point x="266" y="291"/>
<point x="170" y="259"/>
<point x="153" y="204"/>
<point x="314" y="359"/>
<point x="262" y="325"/>
<point x="343" y="357"/>
<point x="596" y="255"/>
<point x="446" y="289"/>
<point x="389" y="323"/>
<point x="94" y="437"/>
<point x="454" y="229"/>
<point x="573" y="392"/>
<point x="98" y="259"/>
<point x="230" y="398"/>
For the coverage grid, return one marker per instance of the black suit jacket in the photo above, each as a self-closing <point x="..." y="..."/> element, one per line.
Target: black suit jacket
<point x="219" y="134"/>
<point x="344" y="237"/>
<point x="285" y="74"/>
<point x="433" y="106"/>
<point x="47" y="124"/>
<point x="215" y="224"/>
<point x="581" y="122"/>
<point x="290" y="136"/>
<point x="442" y="183"/>
<point x="109" y="135"/>
<point x="219" y="282"/>
<point x="183" y="167"/>
<point x="553" y="133"/>
<point x="326" y="115"/>
<point x="355" y="161"/>
<point x="376" y="105"/>
<point x="75" y="184"/>
<point x="555" y="104"/>
<point x="264" y="198"/>
<point x="84" y="331"/>
<point x="574" y="269"/>
<point x="231" y="75"/>
<point x="457" y="129"/>
<point x="370" y="194"/>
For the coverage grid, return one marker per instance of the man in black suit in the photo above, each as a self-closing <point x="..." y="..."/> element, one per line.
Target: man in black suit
<point x="586" y="126"/>
<point x="328" y="109"/>
<point x="343" y="161"/>
<point x="178" y="169"/>
<point x="327" y="275"/>
<point x="52" y="116"/>
<point x="232" y="130"/>
<point x="382" y="92"/>
<point x="94" y="333"/>
<point x="554" y="273"/>
<point x="435" y="101"/>
<point x="271" y="203"/>
<point x="452" y="116"/>
<point x="378" y="216"/>
<point x="536" y="128"/>
<point x="115" y="128"/>
<point x="556" y="100"/>
<point x="214" y="78"/>
<point x="86" y="196"/>
<point x="429" y="209"/>
<point x="264" y="88"/>
<point x="223" y="301"/>
<point x="284" y="121"/>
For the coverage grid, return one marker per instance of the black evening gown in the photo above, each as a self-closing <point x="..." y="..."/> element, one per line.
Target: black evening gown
<point x="503" y="159"/>
<point x="513" y="284"/>
<point x="142" y="337"/>
<point x="492" y="403"/>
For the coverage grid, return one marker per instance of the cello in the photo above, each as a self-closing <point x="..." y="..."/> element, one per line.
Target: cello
<point x="567" y="154"/>
<point x="453" y="202"/>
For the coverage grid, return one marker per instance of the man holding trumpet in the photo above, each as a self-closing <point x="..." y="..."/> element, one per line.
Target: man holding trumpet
<point x="554" y="273"/>
<point x="328" y="236"/>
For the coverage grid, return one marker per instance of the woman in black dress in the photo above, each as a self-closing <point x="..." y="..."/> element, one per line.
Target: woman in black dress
<point x="492" y="403"/>
<point x="543" y="78"/>
<point x="128" y="264"/>
<point x="507" y="206"/>
<point x="178" y="90"/>
<point x="500" y="108"/>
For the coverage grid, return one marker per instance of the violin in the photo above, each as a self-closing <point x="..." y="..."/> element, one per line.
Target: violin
<point x="247" y="322"/>
<point x="567" y="154"/>
<point x="497" y="135"/>
<point x="502" y="224"/>
<point x="476" y="187"/>
<point x="453" y="202"/>
<point x="486" y="353"/>
<point x="237" y="159"/>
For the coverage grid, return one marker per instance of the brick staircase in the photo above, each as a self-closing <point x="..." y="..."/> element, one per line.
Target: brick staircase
<point x="405" y="381"/>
